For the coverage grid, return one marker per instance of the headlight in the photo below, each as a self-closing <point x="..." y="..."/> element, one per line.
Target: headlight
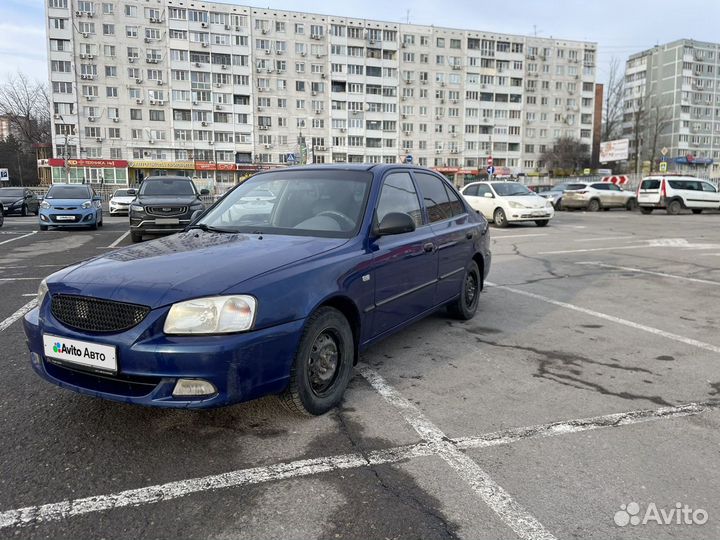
<point x="515" y="204"/>
<point x="212" y="315"/>
<point x="136" y="208"/>
<point x="42" y="292"/>
<point x="87" y="204"/>
<point x="548" y="203"/>
<point x="45" y="205"/>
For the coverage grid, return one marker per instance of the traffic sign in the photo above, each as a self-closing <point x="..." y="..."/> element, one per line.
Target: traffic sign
<point x="663" y="166"/>
<point x="664" y="151"/>
<point x="408" y="158"/>
<point x="4" y="175"/>
<point x="291" y="158"/>
<point x="491" y="170"/>
<point x="490" y="160"/>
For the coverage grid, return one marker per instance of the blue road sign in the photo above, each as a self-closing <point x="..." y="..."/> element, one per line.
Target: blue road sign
<point x="491" y="169"/>
<point x="292" y="158"/>
<point x="408" y="158"/>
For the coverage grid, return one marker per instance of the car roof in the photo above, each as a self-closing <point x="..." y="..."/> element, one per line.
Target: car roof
<point x="377" y="168"/>
<point x="155" y="178"/>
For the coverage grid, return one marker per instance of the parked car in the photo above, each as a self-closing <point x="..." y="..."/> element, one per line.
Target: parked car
<point x="2" y="215"/>
<point x="164" y="205"/>
<point x="71" y="205"/>
<point x="17" y="200"/>
<point x="555" y="194"/>
<point x="120" y="201"/>
<point x="595" y="196"/>
<point x="540" y="188"/>
<point x="675" y="193"/>
<point x="508" y="202"/>
<point x="242" y="305"/>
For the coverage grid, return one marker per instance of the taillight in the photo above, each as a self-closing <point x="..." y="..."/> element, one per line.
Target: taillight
<point x="663" y="189"/>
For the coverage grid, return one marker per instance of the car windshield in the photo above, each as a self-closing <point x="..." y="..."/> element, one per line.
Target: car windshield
<point x="167" y="187"/>
<point x="68" y="192"/>
<point x="509" y="189"/>
<point x="122" y="193"/>
<point x="327" y="203"/>
<point x="11" y="192"/>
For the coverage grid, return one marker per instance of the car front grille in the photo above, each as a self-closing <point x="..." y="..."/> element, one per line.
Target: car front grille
<point x="165" y="211"/>
<point x="95" y="315"/>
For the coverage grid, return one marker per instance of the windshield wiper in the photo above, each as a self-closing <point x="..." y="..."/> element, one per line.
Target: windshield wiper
<point x="210" y="228"/>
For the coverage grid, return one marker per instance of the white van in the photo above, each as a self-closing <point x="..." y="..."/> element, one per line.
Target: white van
<point x="675" y="193"/>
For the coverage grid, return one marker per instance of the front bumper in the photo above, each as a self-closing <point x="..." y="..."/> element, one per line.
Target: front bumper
<point x="241" y="366"/>
<point x="81" y="217"/>
<point x="156" y="225"/>
<point x="575" y="203"/>
<point x="117" y="208"/>
<point x="528" y="214"/>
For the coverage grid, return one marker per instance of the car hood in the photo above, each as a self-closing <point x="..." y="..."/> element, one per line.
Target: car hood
<point x="66" y="202"/>
<point x="186" y="200"/>
<point x="10" y="200"/>
<point x="123" y="200"/>
<point x="186" y="265"/>
<point x="531" y="201"/>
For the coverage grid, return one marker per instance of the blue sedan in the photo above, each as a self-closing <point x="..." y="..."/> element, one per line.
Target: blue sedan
<point x="71" y="205"/>
<point x="273" y="298"/>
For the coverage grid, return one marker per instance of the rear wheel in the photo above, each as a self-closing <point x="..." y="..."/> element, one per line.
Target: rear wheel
<point x="542" y="222"/>
<point x="674" y="207"/>
<point x="2" y="218"/>
<point x="466" y="305"/>
<point x="631" y="205"/>
<point x="594" y="206"/>
<point x="322" y="366"/>
<point x="94" y="226"/>
<point x="558" y="204"/>
<point x="645" y="210"/>
<point x="23" y="211"/>
<point x="697" y="211"/>
<point x="500" y="218"/>
<point x="136" y="237"/>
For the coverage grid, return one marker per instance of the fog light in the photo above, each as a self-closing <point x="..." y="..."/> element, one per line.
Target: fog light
<point x="35" y="358"/>
<point x="193" y="387"/>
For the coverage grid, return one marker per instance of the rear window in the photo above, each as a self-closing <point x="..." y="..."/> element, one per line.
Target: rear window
<point x="650" y="184"/>
<point x="574" y="187"/>
<point x="68" y="192"/>
<point x="167" y="187"/>
<point x="121" y="193"/>
<point x="11" y="192"/>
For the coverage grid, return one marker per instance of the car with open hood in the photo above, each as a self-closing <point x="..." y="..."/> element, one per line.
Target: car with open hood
<point x="278" y="298"/>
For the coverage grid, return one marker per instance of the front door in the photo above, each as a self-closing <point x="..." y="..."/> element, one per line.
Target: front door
<point x="405" y="266"/>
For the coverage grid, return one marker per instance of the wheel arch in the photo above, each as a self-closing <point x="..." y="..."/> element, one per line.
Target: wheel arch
<point x="480" y="261"/>
<point x="351" y="312"/>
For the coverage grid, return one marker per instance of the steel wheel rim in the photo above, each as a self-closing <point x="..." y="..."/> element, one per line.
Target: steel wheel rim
<point x="470" y="289"/>
<point x="323" y="362"/>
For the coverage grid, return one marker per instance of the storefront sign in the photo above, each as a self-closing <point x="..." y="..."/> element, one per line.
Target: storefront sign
<point x="151" y="164"/>
<point x="94" y="163"/>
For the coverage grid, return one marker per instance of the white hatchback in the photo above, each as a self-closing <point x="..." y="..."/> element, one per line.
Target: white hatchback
<point x="675" y="193"/>
<point x="508" y="202"/>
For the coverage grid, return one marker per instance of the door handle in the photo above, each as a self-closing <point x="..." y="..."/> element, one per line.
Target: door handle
<point x="429" y="247"/>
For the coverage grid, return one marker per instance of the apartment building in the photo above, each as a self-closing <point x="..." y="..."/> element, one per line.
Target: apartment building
<point x="207" y="89"/>
<point x="672" y="101"/>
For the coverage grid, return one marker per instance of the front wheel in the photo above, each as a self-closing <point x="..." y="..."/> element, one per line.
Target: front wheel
<point x="136" y="237"/>
<point x="631" y="205"/>
<point x="23" y="211"/>
<point x="674" y="208"/>
<point x="322" y="366"/>
<point x="43" y="227"/>
<point x="558" y="205"/>
<point x="645" y="210"/>
<point x="594" y="206"/>
<point x="499" y="218"/>
<point x="542" y="222"/>
<point x="466" y="305"/>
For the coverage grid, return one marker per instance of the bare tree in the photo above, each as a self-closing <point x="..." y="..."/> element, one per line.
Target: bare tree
<point x="566" y="154"/>
<point x="658" y="119"/>
<point x="613" y="106"/>
<point x="26" y="104"/>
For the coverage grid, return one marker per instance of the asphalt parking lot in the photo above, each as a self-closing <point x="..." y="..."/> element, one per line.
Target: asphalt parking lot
<point x="587" y="382"/>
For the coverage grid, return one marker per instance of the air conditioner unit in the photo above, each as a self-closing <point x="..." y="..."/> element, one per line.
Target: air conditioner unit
<point x="83" y="77"/>
<point x="228" y="27"/>
<point x="56" y="116"/>
<point x="86" y="35"/>
<point x="194" y="102"/>
<point x="160" y="83"/>
<point x="270" y="70"/>
<point x="404" y="116"/>
<point x="151" y="141"/>
<point x="116" y="119"/>
<point x="90" y="56"/>
<point x="279" y="51"/>
<point x="205" y="44"/>
<point x="89" y="14"/>
<point x="438" y="150"/>
<point x="268" y="146"/>
<point x="204" y="24"/>
<point x="218" y="85"/>
<point x="161" y="102"/>
<point x="318" y="55"/>
<point x="82" y="55"/>
<point x="406" y="133"/>
<point x="211" y="142"/>
<point x="223" y="66"/>
<point x="131" y="60"/>
<point x="79" y="13"/>
<point x="152" y="102"/>
<point x="151" y="60"/>
<point x="139" y="101"/>
<point x="313" y="93"/>
<point x="138" y="81"/>
<point x="268" y="51"/>
<point x="263" y="127"/>
<point x="98" y="139"/>
<point x="320" y="112"/>
<point x="343" y="130"/>
<point x="198" y="64"/>
<point x="203" y="123"/>
<point x="265" y="31"/>
<point x="147" y="40"/>
<point x="91" y="118"/>
<point x="455" y="101"/>
<point x="423" y="81"/>
<point x="238" y="28"/>
<point x="218" y="107"/>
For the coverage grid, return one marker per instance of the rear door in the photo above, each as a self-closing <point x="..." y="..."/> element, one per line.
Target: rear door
<point x="604" y="194"/>
<point x="404" y="266"/>
<point x="620" y="197"/>
<point x="454" y="232"/>
<point x="711" y="195"/>
<point x="649" y="191"/>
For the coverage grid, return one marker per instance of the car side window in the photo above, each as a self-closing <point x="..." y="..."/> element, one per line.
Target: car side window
<point x="708" y="187"/>
<point x="398" y="194"/>
<point x="471" y="191"/>
<point x="483" y="189"/>
<point x="601" y="187"/>
<point x="435" y="197"/>
<point x="456" y="206"/>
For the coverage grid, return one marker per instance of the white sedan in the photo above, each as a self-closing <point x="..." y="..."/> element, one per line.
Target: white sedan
<point x="120" y="201"/>
<point x="508" y="202"/>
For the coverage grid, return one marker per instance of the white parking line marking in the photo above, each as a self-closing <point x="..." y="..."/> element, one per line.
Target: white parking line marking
<point x="116" y="242"/>
<point x="515" y="236"/>
<point x="30" y="294"/>
<point x="660" y="242"/>
<point x="19" y="313"/>
<point x="17" y="238"/>
<point x="499" y="500"/>
<point x="173" y="490"/>
<point x="603" y="238"/>
<point x="611" y="318"/>
<point x="641" y="271"/>
<point x="20" y="278"/>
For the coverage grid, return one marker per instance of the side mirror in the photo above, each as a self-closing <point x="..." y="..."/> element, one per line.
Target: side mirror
<point x="204" y="192"/>
<point x="195" y="215"/>
<point x="489" y="195"/>
<point x="395" y="223"/>
<point x="131" y="191"/>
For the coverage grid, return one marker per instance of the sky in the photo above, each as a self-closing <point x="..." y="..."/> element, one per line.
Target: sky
<point x="619" y="27"/>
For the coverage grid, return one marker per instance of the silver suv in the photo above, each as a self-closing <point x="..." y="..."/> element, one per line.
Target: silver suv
<point x="597" y="196"/>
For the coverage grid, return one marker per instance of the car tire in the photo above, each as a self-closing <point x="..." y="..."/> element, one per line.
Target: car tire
<point x="645" y="210"/>
<point x="136" y="236"/>
<point x="499" y="218"/>
<point x="465" y="307"/>
<point x="542" y="222"/>
<point x="23" y="211"/>
<point x="674" y="207"/>
<point x="594" y="206"/>
<point x="43" y="227"/>
<point x="697" y="210"/>
<point x="631" y="205"/>
<point x="327" y="342"/>
<point x="558" y="205"/>
<point x="2" y="218"/>
<point x="94" y="226"/>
